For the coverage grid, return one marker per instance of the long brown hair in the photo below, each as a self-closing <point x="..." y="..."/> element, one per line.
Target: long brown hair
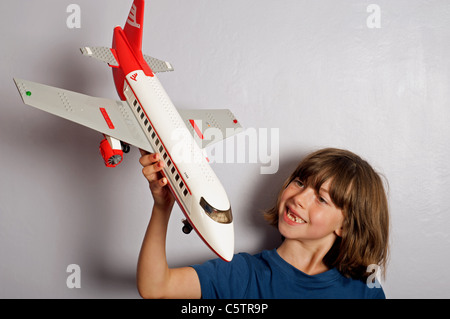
<point x="358" y="191"/>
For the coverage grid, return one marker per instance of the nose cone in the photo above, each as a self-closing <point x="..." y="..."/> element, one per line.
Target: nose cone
<point x="218" y="237"/>
<point x="229" y="257"/>
<point x="225" y="248"/>
<point x="213" y="224"/>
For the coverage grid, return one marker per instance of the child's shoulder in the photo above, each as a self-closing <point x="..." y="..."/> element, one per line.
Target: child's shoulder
<point x="261" y="259"/>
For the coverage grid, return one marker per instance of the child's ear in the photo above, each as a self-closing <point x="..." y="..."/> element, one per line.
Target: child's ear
<point x="338" y="230"/>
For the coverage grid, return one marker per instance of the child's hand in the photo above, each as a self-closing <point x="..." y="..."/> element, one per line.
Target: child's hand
<point x="153" y="166"/>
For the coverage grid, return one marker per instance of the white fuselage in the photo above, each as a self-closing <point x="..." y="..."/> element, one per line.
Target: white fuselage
<point x="187" y="169"/>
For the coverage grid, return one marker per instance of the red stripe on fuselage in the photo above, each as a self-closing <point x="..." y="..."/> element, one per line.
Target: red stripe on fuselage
<point x="180" y="204"/>
<point x="148" y="118"/>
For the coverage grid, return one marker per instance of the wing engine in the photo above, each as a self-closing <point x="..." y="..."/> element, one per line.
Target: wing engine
<point x="112" y="151"/>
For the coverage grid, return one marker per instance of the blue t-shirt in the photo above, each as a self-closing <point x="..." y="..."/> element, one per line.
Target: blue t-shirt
<point x="266" y="275"/>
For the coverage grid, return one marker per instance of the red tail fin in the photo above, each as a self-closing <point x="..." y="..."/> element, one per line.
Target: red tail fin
<point x="135" y="24"/>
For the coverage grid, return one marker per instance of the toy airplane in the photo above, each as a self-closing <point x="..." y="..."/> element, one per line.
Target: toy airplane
<point x="146" y="118"/>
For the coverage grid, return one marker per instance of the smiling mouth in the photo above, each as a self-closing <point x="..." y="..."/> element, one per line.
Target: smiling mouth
<point x="293" y="217"/>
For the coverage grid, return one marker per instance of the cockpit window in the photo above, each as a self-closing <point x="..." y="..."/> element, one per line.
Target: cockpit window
<point x="220" y="216"/>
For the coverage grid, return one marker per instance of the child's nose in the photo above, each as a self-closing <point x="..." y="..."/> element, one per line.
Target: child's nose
<point x="304" y="197"/>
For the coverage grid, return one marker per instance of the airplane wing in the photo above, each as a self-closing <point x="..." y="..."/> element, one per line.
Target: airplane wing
<point x="107" y="55"/>
<point x="113" y="118"/>
<point x="210" y="126"/>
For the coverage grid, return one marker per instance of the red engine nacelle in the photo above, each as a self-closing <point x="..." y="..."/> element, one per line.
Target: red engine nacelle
<point x="112" y="157"/>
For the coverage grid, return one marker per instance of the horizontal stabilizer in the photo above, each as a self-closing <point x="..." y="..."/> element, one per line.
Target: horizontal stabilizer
<point x="106" y="55"/>
<point x="158" y="65"/>
<point x="101" y="53"/>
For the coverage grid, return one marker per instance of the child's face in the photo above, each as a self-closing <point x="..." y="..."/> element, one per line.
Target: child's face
<point x="306" y="215"/>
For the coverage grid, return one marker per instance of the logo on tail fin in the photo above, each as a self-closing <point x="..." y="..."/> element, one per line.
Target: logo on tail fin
<point x="132" y="18"/>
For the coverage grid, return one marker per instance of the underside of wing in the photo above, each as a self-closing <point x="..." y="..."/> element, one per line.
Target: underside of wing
<point x="210" y="126"/>
<point x="110" y="117"/>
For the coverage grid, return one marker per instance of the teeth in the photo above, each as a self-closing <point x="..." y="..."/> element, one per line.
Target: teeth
<point x="295" y="218"/>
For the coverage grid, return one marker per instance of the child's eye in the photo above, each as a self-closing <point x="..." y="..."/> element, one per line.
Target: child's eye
<point x="322" y="200"/>
<point x="298" y="182"/>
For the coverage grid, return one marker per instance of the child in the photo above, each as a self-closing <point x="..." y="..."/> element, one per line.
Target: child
<point x="332" y="213"/>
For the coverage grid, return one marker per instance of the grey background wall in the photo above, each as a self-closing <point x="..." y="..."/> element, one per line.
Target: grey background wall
<point x="311" y="73"/>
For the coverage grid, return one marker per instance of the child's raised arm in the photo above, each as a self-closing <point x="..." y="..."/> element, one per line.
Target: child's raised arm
<point x="154" y="278"/>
